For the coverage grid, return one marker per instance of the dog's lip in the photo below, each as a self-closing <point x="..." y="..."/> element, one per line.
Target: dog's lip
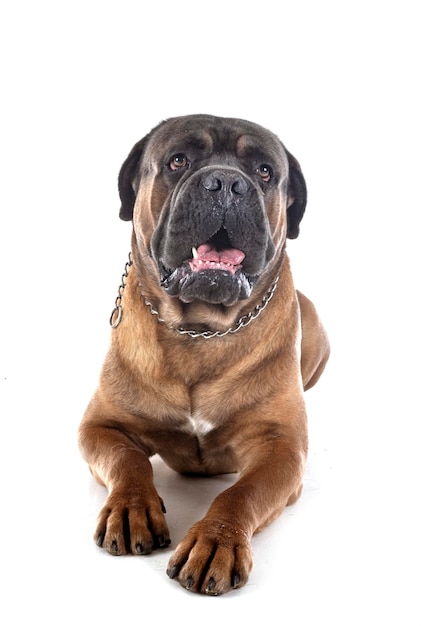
<point x="173" y="280"/>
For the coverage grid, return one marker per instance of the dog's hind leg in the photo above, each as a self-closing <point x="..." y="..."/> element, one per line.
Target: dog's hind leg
<point x="315" y="347"/>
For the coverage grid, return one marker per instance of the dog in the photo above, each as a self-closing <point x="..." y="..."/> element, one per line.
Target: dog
<point x="212" y="347"/>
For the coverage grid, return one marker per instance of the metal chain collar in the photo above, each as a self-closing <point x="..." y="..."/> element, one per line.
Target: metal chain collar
<point x="244" y="321"/>
<point x="116" y="316"/>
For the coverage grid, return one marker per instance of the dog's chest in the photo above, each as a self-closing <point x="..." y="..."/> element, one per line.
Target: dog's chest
<point x="195" y="446"/>
<point x="197" y="424"/>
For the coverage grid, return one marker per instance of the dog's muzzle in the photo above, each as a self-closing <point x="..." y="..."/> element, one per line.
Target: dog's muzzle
<point x="214" y="240"/>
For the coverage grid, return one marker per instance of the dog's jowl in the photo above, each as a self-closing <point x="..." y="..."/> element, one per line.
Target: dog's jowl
<point x="212" y="347"/>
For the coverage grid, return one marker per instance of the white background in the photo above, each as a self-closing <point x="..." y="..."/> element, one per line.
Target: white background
<point x="348" y="88"/>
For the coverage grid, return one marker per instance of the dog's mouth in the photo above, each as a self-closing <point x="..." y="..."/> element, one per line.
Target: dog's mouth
<point x="214" y="273"/>
<point x="209" y="257"/>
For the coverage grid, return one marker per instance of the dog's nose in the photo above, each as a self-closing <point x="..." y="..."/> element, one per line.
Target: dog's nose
<point x="226" y="183"/>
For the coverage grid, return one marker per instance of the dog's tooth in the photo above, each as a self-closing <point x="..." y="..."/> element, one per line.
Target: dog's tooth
<point x="195" y="253"/>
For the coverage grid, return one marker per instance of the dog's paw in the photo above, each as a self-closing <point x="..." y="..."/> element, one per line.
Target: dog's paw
<point x="213" y="558"/>
<point x="129" y="524"/>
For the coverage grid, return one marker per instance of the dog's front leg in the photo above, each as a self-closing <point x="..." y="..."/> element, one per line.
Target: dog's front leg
<point x="216" y="556"/>
<point x="132" y="519"/>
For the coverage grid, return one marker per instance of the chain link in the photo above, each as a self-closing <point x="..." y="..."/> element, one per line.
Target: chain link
<point x="244" y="321"/>
<point x="116" y="316"/>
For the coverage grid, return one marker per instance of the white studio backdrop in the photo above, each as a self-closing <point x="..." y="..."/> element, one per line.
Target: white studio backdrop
<point x="347" y="86"/>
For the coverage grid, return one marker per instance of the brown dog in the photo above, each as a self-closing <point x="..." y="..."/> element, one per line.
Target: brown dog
<point x="212" y="347"/>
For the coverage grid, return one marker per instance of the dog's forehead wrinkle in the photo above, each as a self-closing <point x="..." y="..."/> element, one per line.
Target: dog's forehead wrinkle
<point x="267" y="149"/>
<point x="175" y="138"/>
<point x="221" y="133"/>
<point x="193" y="142"/>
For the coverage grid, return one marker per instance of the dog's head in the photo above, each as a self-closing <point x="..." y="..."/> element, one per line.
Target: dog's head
<point x="212" y="201"/>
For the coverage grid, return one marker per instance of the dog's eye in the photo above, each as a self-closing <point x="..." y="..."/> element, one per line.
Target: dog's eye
<point x="178" y="161"/>
<point x="265" y="172"/>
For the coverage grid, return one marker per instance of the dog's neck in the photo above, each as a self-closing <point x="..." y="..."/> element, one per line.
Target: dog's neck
<point x="204" y="332"/>
<point x="242" y="322"/>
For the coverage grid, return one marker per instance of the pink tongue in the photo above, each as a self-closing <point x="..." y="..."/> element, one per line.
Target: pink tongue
<point x="208" y="253"/>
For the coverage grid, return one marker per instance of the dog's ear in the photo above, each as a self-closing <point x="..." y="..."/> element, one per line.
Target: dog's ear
<point x="298" y="191"/>
<point x="126" y="177"/>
